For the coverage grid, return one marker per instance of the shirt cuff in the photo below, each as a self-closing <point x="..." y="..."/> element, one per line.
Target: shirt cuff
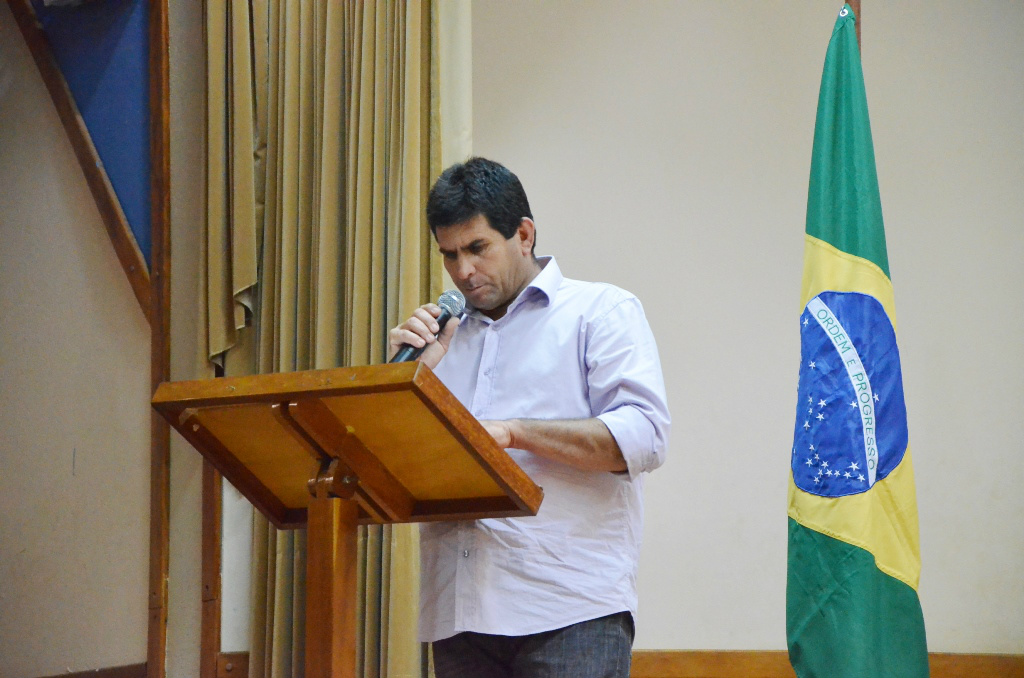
<point x="637" y="439"/>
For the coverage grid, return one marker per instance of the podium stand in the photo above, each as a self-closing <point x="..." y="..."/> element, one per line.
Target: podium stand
<point x="331" y="449"/>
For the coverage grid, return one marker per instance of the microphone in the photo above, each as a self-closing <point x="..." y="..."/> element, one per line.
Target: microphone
<point x="452" y="304"/>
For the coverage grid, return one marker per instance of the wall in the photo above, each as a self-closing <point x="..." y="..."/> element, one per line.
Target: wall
<point x="666" y="148"/>
<point x="74" y="374"/>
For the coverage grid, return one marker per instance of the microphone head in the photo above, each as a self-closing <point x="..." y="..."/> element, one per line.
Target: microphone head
<point x="453" y="302"/>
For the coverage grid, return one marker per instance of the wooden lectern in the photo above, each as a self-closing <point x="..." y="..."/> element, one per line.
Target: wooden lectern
<point x="330" y="449"/>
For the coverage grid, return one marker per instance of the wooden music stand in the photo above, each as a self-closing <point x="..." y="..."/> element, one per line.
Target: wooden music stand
<point x="331" y="449"/>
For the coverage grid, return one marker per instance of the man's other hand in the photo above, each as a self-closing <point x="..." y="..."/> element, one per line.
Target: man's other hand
<point x="586" y="444"/>
<point x="500" y="431"/>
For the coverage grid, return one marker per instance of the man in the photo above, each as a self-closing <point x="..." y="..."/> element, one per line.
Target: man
<point x="565" y="375"/>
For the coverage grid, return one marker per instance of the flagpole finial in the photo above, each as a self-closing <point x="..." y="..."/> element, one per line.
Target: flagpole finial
<point x="855" y="6"/>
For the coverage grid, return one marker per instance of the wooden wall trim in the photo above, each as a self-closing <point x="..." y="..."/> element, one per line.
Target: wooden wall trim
<point x="114" y="220"/>
<point x="775" y="664"/>
<point x="210" y="664"/>
<point x="131" y="671"/>
<point x="710" y="664"/>
<point x="160" y="338"/>
<point x="678" y="664"/>
<point x="739" y="664"/>
<point x="947" y="665"/>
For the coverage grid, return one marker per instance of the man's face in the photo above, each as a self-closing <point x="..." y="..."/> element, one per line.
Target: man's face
<point x="490" y="270"/>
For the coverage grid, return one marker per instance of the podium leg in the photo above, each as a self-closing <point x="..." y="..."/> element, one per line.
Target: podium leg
<point x="331" y="588"/>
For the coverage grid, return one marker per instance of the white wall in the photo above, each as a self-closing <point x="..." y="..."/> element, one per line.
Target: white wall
<point x="666" y="148"/>
<point x="74" y="420"/>
<point x="948" y="88"/>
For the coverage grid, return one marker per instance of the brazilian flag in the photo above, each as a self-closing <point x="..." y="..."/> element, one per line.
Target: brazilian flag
<point x="852" y="608"/>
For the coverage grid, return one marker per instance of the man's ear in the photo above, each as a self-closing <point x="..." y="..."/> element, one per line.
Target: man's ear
<point x="526" y="233"/>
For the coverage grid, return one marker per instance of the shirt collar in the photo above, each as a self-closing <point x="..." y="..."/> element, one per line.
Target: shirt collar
<point x="546" y="282"/>
<point x="543" y="287"/>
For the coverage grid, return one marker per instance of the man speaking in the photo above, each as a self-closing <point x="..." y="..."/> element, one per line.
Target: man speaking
<point x="565" y="375"/>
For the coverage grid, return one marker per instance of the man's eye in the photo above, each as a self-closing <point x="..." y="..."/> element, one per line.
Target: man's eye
<point x="450" y="256"/>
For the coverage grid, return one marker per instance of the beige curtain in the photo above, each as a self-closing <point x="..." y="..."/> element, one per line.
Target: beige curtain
<point x="323" y="138"/>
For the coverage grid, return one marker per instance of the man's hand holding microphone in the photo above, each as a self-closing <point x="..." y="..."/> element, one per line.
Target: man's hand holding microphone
<point x="426" y="334"/>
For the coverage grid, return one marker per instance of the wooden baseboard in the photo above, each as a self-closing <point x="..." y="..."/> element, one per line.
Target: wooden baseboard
<point x="229" y="665"/>
<point x="131" y="671"/>
<point x="681" y="664"/>
<point x="945" y="665"/>
<point x="775" y="664"/>
<point x="710" y="664"/>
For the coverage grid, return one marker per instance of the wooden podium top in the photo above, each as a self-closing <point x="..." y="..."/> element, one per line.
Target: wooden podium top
<point x="404" y="448"/>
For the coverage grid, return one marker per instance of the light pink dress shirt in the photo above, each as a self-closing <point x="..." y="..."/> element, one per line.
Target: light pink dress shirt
<point x="565" y="349"/>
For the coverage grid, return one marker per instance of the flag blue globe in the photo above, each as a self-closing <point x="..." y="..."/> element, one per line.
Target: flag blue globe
<point x="851" y="419"/>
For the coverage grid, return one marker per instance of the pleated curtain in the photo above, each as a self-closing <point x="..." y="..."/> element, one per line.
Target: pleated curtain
<point x="323" y="136"/>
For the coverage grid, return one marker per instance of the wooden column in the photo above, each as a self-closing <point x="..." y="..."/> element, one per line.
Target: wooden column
<point x="331" y="588"/>
<point x="209" y="629"/>
<point x="160" y="326"/>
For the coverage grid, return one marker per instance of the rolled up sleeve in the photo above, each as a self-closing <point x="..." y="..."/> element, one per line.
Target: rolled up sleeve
<point x="626" y="387"/>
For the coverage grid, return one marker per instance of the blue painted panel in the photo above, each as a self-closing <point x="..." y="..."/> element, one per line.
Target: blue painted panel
<point x="102" y="47"/>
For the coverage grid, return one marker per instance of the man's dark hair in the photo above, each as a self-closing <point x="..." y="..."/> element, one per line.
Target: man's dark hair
<point x="478" y="186"/>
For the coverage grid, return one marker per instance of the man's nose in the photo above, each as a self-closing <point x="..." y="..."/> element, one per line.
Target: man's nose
<point x="464" y="268"/>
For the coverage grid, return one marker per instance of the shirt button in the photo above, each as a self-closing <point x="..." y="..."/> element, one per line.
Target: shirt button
<point x="465" y="554"/>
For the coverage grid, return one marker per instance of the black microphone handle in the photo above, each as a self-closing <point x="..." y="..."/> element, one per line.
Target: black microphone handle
<point x="408" y="353"/>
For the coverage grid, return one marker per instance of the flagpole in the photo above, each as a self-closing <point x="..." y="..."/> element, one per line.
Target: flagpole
<point x="855" y="6"/>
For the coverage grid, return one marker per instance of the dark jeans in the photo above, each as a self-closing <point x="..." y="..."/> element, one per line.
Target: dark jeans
<point x="599" y="648"/>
